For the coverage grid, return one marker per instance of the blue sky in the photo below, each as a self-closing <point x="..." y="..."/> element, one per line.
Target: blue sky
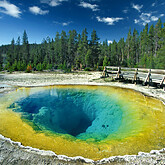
<point x="110" y="18"/>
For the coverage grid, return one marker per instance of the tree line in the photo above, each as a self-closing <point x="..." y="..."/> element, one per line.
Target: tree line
<point x="73" y="50"/>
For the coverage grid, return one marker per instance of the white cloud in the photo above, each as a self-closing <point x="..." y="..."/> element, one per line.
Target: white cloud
<point x="38" y="11"/>
<point x="125" y="11"/>
<point x="63" y="23"/>
<point x="108" y="20"/>
<point x="53" y="3"/>
<point x="66" y="23"/>
<point x="137" y="7"/>
<point x="110" y="42"/>
<point x="153" y="18"/>
<point x="146" y="14"/>
<point x="9" y="9"/>
<point x="145" y="18"/>
<point x="136" y="21"/>
<point x="94" y="0"/>
<point x="144" y="23"/>
<point x="89" y="6"/>
<point x="153" y="4"/>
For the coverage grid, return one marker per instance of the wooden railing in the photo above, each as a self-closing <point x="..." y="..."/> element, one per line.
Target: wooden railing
<point x="157" y="71"/>
<point x="153" y="77"/>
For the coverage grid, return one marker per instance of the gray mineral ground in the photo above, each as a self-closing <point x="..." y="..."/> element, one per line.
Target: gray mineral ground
<point x="13" y="154"/>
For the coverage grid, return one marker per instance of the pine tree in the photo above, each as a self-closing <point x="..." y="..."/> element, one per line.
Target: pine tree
<point x="121" y="52"/>
<point x="63" y="48"/>
<point x="83" y="47"/>
<point x="105" y="61"/>
<point x="134" y="54"/>
<point x="128" y="45"/>
<point x="94" y="45"/>
<point x="144" y="46"/>
<point x="10" y="53"/>
<point x="72" y="47"/>
<point x="160" y="59"/>
<point x="47" y="58"/>
<point x="88" y="58"/>
<point x="103" y="52"/>
<point x="158" y="28"/>
<point x="151" y="40"/>
<point x="151" y="47"/>
<point x="78" y="58"/>
<point x="57" y="49"/>
<point x="25" y="48"/>
<point x="52" y="53"/>
<point x="114" y="60"/>
<point x="18" y="49"/>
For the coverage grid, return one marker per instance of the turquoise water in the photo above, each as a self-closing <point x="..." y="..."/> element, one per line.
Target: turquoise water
<point x="80" y="113"/>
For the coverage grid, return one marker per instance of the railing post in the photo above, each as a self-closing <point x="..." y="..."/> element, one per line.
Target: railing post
<point x="135" y="76"/>
<point x="104" y="72"/>
<point x="118" y="72"/>
<point x="148" y="78"/>
<point x="163" y="81"/>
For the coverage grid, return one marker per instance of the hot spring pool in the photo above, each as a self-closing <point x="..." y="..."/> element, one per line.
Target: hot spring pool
<point x="90" y="121"/>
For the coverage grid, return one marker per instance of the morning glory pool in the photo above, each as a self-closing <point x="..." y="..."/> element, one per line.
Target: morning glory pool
<point x="90" y="121"/>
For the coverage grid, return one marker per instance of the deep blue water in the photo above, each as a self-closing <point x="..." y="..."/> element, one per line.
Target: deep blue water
<point x="81" y="113"/>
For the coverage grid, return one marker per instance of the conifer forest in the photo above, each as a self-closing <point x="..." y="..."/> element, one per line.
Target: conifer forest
<point x="145" y="49"/>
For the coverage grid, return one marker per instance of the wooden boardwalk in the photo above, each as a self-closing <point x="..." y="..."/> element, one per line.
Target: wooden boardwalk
<point x="151" y="77"/>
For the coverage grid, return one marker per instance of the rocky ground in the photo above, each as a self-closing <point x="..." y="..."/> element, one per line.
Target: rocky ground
<point x="15" y="153"/>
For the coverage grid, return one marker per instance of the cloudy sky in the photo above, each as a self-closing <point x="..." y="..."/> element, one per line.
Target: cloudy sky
<point x="110" y="18"/>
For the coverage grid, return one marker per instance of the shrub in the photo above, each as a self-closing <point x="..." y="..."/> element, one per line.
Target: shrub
<point x="14" y="66"/>
<point x="10" y="69"/>
<point x="7" y="66"/>
<point x="39" y="67"/>
<point x="23" y="66"/>
<point x="19" y="65"/>
<point x="29" y="69"/>
<point x="87" y="69"/>
<point x="99" y="69"/>
<point x="49" y="66"/>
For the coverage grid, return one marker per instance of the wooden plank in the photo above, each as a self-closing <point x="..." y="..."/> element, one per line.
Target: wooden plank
<point x="158" y="71"/>
<point x="111" y="71"/>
